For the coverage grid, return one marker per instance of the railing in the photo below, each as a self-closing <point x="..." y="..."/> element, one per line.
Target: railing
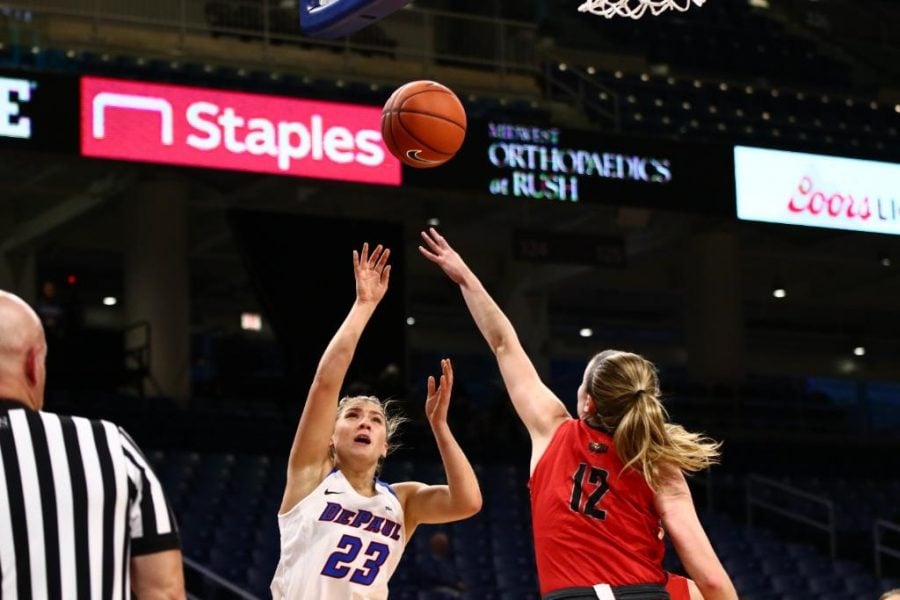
<point x="203" y="583"/>
<point x="864" y="29"/>
<point x="585" y="92"/>
<point x="270" y="30"/>
<point x="852" y="20"/>
<point x="136" y="338"/>
<point x="881" y="548"/>
<point x="759" y="495"/>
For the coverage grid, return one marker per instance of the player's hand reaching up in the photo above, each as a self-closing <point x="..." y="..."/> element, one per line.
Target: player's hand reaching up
<point x="438" y="400"/>
<point x="440" y="253"/>
<point x="372" y="273"/>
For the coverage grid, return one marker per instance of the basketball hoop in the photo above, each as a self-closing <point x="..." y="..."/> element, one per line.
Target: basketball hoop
<point x="635" y="9"/>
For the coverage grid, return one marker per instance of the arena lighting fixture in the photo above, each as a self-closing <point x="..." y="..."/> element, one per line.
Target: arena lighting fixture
<point x="433" y="222"/>
<point x="859" y="351"/>
<point x="779" y="292"/>
<point x="884" y="260"/>
<point x="846" y="366"/>
<point x="410" y="321"/>
<point x="110" y="301"/>
<point x="251" y="321"/>
<point x="586" y="332"/>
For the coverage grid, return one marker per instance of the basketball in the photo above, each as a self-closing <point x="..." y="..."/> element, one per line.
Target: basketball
<point x="423" y="124"/>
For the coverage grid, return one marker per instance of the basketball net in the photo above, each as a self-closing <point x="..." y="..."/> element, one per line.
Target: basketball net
<point x="634" y="9"/>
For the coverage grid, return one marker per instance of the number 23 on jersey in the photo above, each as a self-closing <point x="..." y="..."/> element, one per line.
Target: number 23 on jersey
<point x="339" y="562"/>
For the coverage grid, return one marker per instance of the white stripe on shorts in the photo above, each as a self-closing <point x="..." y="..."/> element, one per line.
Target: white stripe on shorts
<point x="604" y="592"/>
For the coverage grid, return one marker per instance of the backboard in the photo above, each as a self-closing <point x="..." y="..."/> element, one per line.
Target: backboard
<point x="338" y="18"/>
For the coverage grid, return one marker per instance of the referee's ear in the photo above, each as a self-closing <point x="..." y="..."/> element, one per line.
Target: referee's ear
<point x="34" y="375"/>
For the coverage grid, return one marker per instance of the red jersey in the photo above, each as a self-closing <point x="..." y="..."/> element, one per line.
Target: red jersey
<point x="592" y="522"/>
<point x="678" y="588"/>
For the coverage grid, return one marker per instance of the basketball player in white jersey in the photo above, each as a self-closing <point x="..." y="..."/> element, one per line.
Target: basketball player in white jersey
<point x="342" y="529"/>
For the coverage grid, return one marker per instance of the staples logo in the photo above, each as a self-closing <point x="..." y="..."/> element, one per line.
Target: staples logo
<point x="14" y="93"/>
<point x="228" y="130"/>
<point x="105" y="100"/>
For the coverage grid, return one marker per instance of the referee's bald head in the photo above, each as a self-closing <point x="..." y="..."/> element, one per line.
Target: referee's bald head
<point x="23" y="349"/>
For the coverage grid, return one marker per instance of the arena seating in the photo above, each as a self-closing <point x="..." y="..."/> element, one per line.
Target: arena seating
<point x="226" y="506"/>
<point x="703" y="81"/>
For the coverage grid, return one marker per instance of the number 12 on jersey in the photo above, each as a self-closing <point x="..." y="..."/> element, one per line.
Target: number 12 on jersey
<point x="600" y="479"/>
<point x="338" y="564"/>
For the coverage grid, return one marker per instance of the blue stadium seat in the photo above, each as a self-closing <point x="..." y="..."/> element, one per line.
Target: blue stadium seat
<point x="787" y="583"/>
<point x="258" y="580"/>
<point x="747" y="583"/>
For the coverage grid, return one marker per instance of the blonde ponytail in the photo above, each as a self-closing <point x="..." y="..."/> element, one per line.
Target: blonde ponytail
<point x="644" y="439"/>
<point x="625" y="389"/>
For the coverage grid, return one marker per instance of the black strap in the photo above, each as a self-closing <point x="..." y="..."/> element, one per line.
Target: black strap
<point x="644" y="591"/>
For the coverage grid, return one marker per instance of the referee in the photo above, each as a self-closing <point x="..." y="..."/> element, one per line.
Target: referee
<point x="82" y="515"/>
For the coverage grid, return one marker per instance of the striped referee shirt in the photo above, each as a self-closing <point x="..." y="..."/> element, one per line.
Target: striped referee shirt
<point x="78" y="499"/>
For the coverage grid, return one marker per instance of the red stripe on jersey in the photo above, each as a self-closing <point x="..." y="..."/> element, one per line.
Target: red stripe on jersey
<point x="678" y="589"/>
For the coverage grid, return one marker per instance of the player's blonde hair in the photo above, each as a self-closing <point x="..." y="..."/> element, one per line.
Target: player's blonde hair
<point x="625" y="390"/>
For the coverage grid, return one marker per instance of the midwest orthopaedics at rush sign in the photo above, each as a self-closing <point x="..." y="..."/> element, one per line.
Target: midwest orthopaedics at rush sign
<point x="529" y="162"/>
<point x="201" y="127"/>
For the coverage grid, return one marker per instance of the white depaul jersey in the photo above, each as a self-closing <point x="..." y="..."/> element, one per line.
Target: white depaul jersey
<point x="339" y="545"/>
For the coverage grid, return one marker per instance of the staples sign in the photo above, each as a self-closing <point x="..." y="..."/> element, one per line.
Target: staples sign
<point x="199" y="127"/>
<point x="813" y="190"/>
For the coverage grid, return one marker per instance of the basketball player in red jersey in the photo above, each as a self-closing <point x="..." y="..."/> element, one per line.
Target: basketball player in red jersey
<point x="600" y="483"/>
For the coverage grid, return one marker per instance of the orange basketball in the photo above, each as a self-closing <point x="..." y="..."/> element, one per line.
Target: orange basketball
<point x="423" y="124"/>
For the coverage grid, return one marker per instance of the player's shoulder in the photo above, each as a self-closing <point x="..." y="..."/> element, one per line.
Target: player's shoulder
<point x="385" y="486"/>
<point x="402" y="490"/>
<point x="568" y="431"/>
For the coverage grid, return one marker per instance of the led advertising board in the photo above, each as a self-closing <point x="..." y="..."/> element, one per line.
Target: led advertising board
<point x="201" y="127"/>
<point x="815" y="190"/>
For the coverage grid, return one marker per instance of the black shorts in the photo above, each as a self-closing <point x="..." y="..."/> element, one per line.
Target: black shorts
<point x="647" y="591"/>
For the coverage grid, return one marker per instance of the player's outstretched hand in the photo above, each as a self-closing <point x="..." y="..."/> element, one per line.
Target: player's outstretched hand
<point x="438" y="400"/>
<point x="443" y="255"/>
<point x="372" y="273"/>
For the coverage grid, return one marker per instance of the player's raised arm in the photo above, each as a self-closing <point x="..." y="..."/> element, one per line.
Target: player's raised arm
<point x="461" y="497"/>
<point x="309" y="459"/>
<point x="676" y="509"/>
<point x="538" y="407"/>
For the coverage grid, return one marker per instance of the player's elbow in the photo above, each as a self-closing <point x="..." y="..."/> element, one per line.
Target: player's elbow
<point x="503" y="346"/>
<point x="716" y="586"/>
<point x="497" y="343"/>
<point x="475" y="506"/>
<point x="470" y="506"/>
